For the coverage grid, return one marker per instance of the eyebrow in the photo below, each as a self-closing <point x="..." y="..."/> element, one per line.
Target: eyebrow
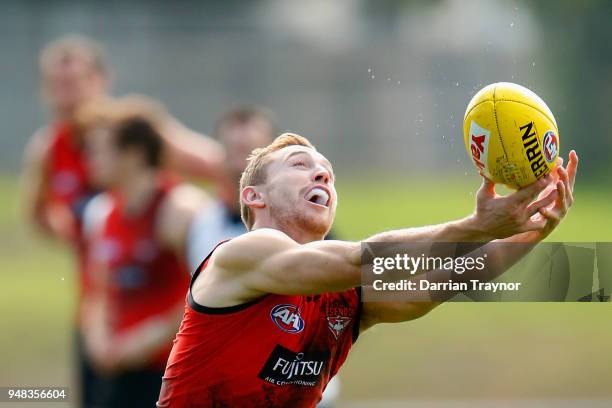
<point x="328" y="164"/>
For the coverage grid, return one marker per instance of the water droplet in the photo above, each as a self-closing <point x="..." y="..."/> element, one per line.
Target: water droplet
<point x="533" y="64"/>
<point x="399" y="82"/>
<point x="373" y="76"/>
<point x="512" y="24"/>
<point x="369" y="70"/>
<point x="62" y="278"/>
<point x="465" y="174"/>
<point x="443" y="137"/>
<point x="457" y="84"/>
<point x="388" y="79"/>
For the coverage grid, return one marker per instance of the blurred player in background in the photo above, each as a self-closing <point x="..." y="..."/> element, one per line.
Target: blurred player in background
<point x="137" y="233"/>
<point x="74" y="71"/>
<point x="273" y="313"/>
<point x="240" y="130"/>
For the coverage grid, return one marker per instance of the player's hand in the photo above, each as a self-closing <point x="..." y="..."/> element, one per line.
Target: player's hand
<point x="503" y="216"/>
<point x="552" y="214"/>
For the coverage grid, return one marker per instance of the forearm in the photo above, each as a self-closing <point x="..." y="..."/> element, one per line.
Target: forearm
<point x="193" y="153"/>
<point x="499" y="256"/>
<point x="464" y="230"/>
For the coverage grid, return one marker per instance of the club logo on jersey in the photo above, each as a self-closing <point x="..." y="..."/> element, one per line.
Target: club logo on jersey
<point x="338" y="318"/>
<point x="551" y="146"/>
<point x="285" y="367"/>
<point x="337" y="324"/>
<point x="287" y="318"/>
<point x="479" y="145"/>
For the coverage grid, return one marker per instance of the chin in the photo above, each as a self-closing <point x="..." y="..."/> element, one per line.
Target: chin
<point x="316" y="224"/>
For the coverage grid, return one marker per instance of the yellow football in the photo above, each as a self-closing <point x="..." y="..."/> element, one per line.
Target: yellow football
<point x="510" y="134"/>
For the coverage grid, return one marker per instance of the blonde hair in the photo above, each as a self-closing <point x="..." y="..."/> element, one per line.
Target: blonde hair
<point x="72" y="46"/>
<point x="255" y="172"/>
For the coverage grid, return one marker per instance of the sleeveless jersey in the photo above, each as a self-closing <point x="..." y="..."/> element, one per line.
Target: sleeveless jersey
<point x="67" y="184"/>
<point x="145" y="279"/>
<point x="276" y="351"/>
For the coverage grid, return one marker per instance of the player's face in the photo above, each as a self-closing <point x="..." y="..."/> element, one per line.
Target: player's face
<point x="103" y="159"/>
<point x="69" y="82"/>
<point x="240" y="140"/>
<point x="299" y="189"/>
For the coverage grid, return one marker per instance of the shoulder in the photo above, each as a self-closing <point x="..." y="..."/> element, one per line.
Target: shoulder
<point x="250" y="248"/>
<point x="177" y="211"/>
<point x="38" y="145"/>
<point x="184" y="199"/>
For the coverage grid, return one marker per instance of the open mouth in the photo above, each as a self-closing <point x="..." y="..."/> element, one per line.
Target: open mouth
<point x="318" y="196"/>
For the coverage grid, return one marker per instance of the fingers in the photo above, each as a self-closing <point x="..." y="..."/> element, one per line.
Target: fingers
<point x="558" y="211"/>
<point x="488" y="186"/>
<point x="572" y="167"/>
<point x="561" y="203"/>
<point x="564" y="178"/>
<point x="551" y="216"/>
<point x="555" y="172"/>
<point x="542" y="202"/>
<point x="529" y="193"/>
<point x="560" y="161"/>
<point x="535" y="224"/>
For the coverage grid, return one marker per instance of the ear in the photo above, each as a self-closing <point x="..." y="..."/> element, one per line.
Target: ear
<point x="252" y="198"/>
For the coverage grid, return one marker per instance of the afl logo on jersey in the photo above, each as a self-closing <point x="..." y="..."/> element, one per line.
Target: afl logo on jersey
<point x="287" y="318"/>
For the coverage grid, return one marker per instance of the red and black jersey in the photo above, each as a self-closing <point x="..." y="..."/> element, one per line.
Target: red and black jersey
<point x="276" y="351"/>
<point x="67" y="184"/>
<point x="66" y="172"/>
<point x="143" y="278"/>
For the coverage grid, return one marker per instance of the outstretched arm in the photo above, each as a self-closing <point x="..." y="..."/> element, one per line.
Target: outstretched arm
<point x="188" y="151"/>
<point x="553" y="204"/>
<point x="268" y="261"/>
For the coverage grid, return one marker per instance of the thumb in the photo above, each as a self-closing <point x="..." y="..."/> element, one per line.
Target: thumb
<point x="488" y="186"/>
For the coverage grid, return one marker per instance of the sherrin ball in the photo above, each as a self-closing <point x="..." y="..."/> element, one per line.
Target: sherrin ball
<point x="511" y="135"/>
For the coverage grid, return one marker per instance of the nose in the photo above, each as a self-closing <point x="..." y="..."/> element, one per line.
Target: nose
<point x="321" y="175"/>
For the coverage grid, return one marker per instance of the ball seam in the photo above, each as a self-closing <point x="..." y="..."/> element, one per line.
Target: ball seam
<point x="514" y="100"/>
<point x="501" y="139"/>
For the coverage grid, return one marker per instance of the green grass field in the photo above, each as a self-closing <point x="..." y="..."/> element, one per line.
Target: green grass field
<point x="459" y="351"/>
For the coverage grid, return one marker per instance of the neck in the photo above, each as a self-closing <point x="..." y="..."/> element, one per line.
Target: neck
<point x="63" y="115"/>
<point x="136" y="189"/>
<point x="299" y="235"/>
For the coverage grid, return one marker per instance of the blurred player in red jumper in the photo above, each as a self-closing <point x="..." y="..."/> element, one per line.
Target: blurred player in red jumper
<point x="74" y="71"/>
<point x="136" y="232"/>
